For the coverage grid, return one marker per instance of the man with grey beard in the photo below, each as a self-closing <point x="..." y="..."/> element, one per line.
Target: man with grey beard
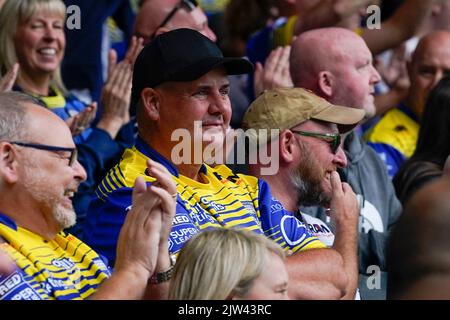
<point x="39" y="174"/>
<point x="310" y="152"/>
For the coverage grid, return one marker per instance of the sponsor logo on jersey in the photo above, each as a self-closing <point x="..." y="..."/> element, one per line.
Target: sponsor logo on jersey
<point x="64" y="263"/>
<point x="250" y="208"/>
<point x="14" y="287"/>
<point x="215" y="206"/>
<point x="276" y="206"/>
<point x="285" y="221"/>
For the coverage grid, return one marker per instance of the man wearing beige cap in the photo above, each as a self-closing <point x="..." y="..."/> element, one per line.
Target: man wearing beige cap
<point x="310" y="151"/>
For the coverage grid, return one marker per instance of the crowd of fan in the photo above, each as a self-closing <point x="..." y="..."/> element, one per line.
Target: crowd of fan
<point x="95" y="204"/>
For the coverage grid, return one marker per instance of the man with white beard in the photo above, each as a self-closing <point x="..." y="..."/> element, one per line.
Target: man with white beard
<point x="39" y="174"/>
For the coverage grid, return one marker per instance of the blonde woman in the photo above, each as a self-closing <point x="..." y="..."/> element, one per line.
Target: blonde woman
<point x="32" y="35"/>
<point x="230" y="264"/>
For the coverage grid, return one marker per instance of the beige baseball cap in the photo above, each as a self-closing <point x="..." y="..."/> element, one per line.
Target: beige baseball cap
<point x="284" y="108"/>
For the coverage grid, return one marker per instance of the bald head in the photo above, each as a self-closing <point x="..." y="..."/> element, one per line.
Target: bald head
<point x="320" y="49"/>
<point x="153" y="12"/>
<point x="429" y="63"/>
<point x="336" y="64"/>
<point x="430" y="43"/>
<point x="420" y="243"/>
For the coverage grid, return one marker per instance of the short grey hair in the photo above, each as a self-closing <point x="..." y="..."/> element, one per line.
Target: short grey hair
<point x="13" y="115"/>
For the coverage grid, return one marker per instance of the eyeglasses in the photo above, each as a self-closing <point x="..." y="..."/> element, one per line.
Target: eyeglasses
<point x="333" y="139"/>
<point x="190" y="5"/>
<point x="73" y="151"/>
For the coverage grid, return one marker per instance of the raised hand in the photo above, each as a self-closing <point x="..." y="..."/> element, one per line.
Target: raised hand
<point x="134" y="49"/>
<point x="137" y="247"/>
<point x="344" y="208"/>
<point x="165" y="188"/>
<point x="116" y="96"/>
<point x="82" y="120"/>
<point x="116" y="93"/>
<point x="275" y="73"/>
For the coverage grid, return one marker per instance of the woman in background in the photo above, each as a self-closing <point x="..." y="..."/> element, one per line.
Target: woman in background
<point x="224" y="264"/>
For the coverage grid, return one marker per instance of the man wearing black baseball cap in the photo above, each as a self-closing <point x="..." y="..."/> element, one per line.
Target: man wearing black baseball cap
<point x="180" y="89"/>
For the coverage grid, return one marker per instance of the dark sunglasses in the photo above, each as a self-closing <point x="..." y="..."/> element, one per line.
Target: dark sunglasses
<point x="73" y="151"/>
<point x="333" y="139"/>
<point x="190" y="5"/>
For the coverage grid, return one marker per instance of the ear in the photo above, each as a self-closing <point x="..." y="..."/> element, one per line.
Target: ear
<point x="8" y="163"/>
<point x="150" y="100"/>
<point x="287" y="147"/>
<point x="326" y="83"/>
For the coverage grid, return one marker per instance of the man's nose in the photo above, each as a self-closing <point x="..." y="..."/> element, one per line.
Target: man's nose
<point x="80" y="172"/>
<point x="340" y="159"/>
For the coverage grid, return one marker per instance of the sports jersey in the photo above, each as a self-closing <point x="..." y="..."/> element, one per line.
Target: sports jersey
<point x="394" y="137"/>
<point x="222" y="200"/>
<point x="64" y="268"/>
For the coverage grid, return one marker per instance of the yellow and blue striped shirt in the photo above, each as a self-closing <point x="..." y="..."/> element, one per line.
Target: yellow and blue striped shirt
<point x="64" y="268"/>
<point x="223" y="200"/>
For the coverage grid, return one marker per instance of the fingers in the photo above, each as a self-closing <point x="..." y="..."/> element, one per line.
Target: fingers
<point x="272" y="61"/>
<point x="276" y="69"/>
<point x="134" y="49"/>
<point x="168" y="203"/>
<point x="283" y="61"/>
<point x="7" y="82"/>
<point x="112" y="61"/>
<point x="285" y="80"/>
<point x="258" y="85"/>
<point x="72" y="122"/>
<point x="162" y="175"/>
<point x="139" y="188"/>
<point x="336" y="183"/>
<point x="144" y="201"/>
<point x="6" y="264"/>
<point x="92" y="113"/>
<point x="131" y="48"/>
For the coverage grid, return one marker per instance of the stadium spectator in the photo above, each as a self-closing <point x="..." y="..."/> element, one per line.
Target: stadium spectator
<point x="158" y="16"/>
<point x="336" y="64"/>
<point x="394" y="137"/>
<point x="310" y="152"/>
<point x="433" y="145"/>
<point x="230" y="264"/>
<point x="39" y="173"/>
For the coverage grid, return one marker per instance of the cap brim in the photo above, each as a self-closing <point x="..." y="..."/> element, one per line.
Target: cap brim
<point x="233" y="66"/>
<point x="346" y="117"/>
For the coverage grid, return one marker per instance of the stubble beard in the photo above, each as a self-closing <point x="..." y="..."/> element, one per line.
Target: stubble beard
<point x="307" y="179"/>
<point x="34" y="183"/>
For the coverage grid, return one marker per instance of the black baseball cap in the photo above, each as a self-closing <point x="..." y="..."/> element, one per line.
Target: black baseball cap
<point x="180" y="55"/>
